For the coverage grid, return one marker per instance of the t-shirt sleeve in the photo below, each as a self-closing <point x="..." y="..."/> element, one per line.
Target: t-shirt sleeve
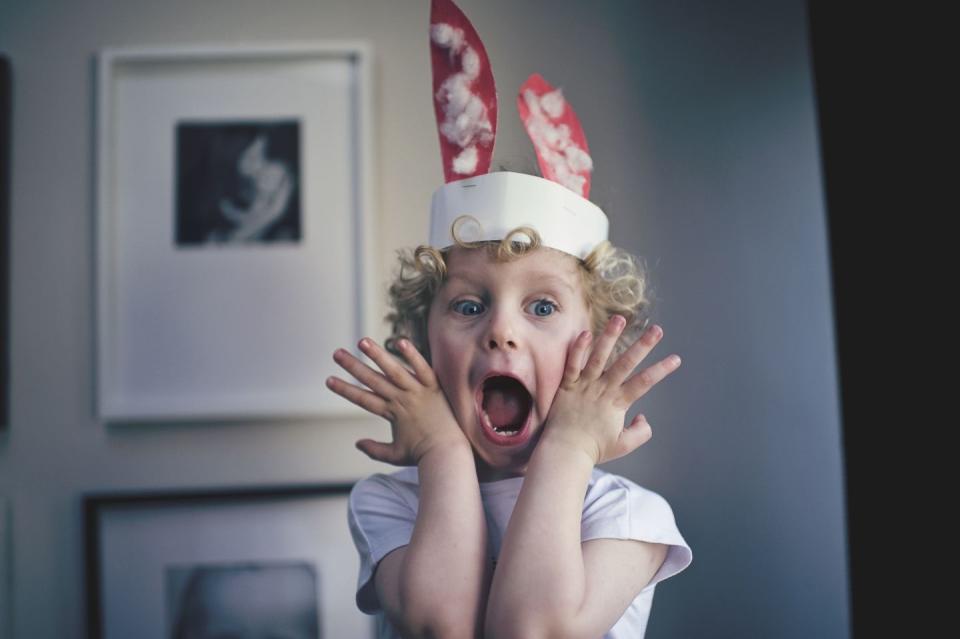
<point x="629" y="511"/>
<point x="380" y="520"/>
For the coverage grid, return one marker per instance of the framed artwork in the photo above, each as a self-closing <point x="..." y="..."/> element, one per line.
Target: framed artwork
<point x="6" y="570"/>
<point x="6" y="157"/>
<point x="276" y="562"/>
<point x="233" y="229"/>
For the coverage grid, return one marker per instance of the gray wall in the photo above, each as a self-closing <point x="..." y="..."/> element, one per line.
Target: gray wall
<point x="701" y="119"/>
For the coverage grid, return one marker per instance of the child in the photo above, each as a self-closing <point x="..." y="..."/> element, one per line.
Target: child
<point x="518" y="326"/>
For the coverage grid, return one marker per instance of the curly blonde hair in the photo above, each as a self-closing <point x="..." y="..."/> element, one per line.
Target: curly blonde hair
<point x="614" y="282"/>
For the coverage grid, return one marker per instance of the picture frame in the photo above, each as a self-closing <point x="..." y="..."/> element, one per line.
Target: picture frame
<point x="160" y="561"/>
<point x="6" y="569"/>
<point x="234" y="228"/>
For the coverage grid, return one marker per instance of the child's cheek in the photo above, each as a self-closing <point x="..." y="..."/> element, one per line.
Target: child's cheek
<point x="442" y="364"/>
<point x="556" y="367"/>
<point x="551" y="382"/>
<point x="449" y="376"/>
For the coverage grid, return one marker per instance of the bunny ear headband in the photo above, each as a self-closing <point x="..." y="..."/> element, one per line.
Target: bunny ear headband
<point x="465" y="104"/>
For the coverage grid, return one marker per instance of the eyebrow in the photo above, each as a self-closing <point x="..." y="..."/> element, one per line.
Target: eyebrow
<point x="538" y="276"/>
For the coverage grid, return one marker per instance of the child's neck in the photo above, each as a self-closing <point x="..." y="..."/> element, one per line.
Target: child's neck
<point x="487" y="473"/>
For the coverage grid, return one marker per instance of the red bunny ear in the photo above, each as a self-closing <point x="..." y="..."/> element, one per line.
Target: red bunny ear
<point x="556" y="133"/>
<point x="464" y="95"/>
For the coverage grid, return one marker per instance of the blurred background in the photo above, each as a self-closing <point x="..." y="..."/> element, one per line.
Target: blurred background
<point x="701" y="121"/>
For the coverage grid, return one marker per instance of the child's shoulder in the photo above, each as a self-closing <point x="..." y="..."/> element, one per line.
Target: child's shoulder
<point x="607" y="489"/>
<point x="603" y="481"/>
<point x="402" y="483"/>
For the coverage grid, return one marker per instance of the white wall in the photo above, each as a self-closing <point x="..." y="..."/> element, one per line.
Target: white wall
<point x="702" y="125"/>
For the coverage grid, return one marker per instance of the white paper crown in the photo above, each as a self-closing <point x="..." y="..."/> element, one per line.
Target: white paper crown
<point x="488" y="206"/>
<point x="494" y="204"/>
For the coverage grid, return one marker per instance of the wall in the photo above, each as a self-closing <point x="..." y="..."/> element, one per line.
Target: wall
<point x="702" y="125"/>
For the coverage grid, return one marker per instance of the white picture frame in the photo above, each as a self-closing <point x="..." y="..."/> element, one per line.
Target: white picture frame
<point x="204" y="322"/>
<point x="143" y="549"/>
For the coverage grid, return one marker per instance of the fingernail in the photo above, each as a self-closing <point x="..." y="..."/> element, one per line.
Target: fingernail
<point x="364" y="343"/>
<point x="675" y="360"/>
<point x="656" y="331"/>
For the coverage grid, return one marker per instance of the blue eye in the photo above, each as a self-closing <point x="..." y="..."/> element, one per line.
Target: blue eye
<point x="543" y="308"/>
<point x="468" y="307"/>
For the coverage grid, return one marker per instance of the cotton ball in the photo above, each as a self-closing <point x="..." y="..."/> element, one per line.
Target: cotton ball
<point x="447" y="36"/>
<point x="471" y="63"/>
<point x="553" y="103"/>
<point x="533" y="104"/>
<point x="466" y="161"/>
<point x="459" y="94"/>
<point x="577" y="159"/>
<point x="550" y="134"/>
<point x="463" y="123"/>
<point x="474" y="108"/>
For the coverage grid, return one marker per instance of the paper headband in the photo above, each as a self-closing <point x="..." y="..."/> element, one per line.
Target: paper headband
<point x="465" y="105"/>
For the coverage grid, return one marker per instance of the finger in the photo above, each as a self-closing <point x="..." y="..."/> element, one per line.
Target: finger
<point x="603" y="347"/>
<point x="631" y="357"/>
<point x="365" y="375"/>
<point x="638" y="385"/>
<point x="378" y="451"/>
<point x="363" y="398"/>
<point x="421" y="368"/>
<point x="575" y="356"/>
<point x="637" y="433"/>
<point x="390" y="365"/>
<point x="585" y="353"/>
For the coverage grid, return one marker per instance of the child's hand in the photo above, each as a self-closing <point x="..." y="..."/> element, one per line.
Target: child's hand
<point x="591" y="404"/>
<point x="413" y="402"/>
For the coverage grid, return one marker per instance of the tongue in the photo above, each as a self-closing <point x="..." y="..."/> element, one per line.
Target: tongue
<point x="504" y="406"/>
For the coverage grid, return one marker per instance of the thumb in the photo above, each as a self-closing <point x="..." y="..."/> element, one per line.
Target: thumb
<point x="376" y="450"/>
<point x="637" y="433"/>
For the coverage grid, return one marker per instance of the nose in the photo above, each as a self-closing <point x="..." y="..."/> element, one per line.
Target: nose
<point x="501" y="331"/>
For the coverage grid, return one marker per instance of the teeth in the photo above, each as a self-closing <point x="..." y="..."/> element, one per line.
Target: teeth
<point x="501" y="431"/>
<point x="511" y="431"/>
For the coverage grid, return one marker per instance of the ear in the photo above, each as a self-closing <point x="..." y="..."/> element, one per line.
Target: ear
<point x="464" y="94"/>
<point x="555" y="131"/>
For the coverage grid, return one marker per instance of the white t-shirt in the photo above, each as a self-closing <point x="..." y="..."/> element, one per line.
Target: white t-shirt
<point x="383" y="509"/>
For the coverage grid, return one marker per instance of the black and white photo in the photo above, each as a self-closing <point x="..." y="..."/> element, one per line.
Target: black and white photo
<point x="257" y="600"/>
<point x="238" y="182"/>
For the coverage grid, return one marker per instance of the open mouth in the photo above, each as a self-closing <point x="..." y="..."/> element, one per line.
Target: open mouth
<point x="505" y="405"/>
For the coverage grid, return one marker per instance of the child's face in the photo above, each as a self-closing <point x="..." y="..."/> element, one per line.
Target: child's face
<point x="495" y="320"/>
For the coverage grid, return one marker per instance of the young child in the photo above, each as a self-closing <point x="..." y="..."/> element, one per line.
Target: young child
<point x="516" y="330"/>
